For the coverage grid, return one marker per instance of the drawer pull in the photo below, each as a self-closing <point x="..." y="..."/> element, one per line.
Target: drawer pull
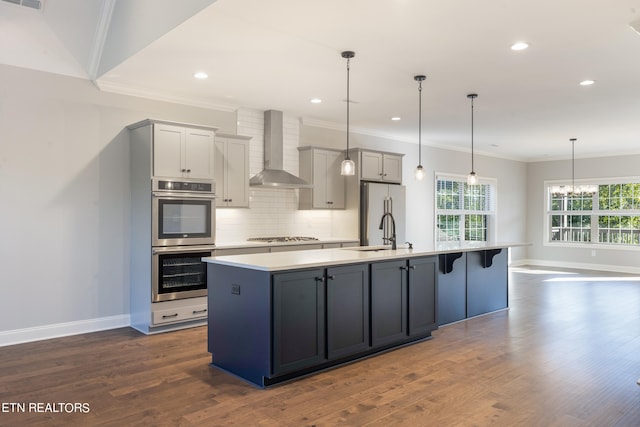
<point x="204" y="310"/>
<point x="169" y="316"/>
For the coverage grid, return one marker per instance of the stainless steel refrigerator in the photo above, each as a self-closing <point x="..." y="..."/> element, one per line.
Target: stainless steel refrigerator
<point x="375" y="200"/>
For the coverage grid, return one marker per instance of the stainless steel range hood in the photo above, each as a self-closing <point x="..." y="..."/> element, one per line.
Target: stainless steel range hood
<point x="273" y="175"/>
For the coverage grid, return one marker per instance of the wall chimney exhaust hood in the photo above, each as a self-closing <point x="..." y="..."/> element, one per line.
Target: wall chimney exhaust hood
<point x="273" y="175"/>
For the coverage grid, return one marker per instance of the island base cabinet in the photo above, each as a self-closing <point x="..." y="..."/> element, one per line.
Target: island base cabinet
<point x="452" y="288"/>
<point x="487" y="281"/>
<point x="347" y="310"/>
<point x="298" y="320"/>
<point x="388" y="302"/>
<point x="239" y="326"/>
<point x="422" y="296"/>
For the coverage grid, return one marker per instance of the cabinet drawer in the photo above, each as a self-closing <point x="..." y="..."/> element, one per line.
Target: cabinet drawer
<point x="180" y="314"/>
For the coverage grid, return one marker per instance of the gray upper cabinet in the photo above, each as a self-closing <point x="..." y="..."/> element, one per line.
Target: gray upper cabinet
<point x="321" y="168"/>
<point x="183" y="151"/>
<point x="232" y="170"/>
<point x="379" y="166"/>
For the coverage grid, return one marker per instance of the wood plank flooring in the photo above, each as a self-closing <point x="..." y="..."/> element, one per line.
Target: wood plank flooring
<point x="567" y="353"/>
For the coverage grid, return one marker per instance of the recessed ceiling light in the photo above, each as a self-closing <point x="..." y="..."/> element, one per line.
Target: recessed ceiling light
<point x="587" y="82"/>
<point x="519" y="46"/>
<point x="201" y="75"/>
<point x="395" y="119"/>
<point x="316" y="100"/>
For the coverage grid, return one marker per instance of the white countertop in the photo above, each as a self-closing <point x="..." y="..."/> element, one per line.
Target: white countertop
<point x="293" y="260"/>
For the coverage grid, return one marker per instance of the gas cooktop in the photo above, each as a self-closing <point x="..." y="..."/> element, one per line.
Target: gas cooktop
<point x="281" y="239"/>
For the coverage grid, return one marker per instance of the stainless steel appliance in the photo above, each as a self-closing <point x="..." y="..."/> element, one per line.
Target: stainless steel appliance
<point x="178" y="272"/>
<point x="183" y="212"/>
<point x="377" y="199"/>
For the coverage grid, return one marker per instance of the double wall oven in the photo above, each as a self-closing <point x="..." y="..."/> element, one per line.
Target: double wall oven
<point x="183" y="231"/>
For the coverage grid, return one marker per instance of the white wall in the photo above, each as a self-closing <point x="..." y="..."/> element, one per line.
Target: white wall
<point x="64" y="200"/>
<point x="610" y="258"/>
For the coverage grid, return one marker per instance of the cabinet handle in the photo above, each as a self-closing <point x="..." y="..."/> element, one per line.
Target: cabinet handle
<point x="320" y="279"/>
<point x="168" y="316"/>
<point x="230" y="200"/>
<point x="403" y="268"/>
<point x="331" y="277"/>
<point x="183" y="170"/>
<point x="413" y="267"/>
<point x="204" y="310"/>
<point x="188" y="170"/>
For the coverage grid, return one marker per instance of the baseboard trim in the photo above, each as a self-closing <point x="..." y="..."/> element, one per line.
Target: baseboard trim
<point x="577" y="266"/>
<point x="19" y="336"/>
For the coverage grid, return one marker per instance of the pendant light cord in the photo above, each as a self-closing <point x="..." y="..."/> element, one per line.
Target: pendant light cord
<point x="573" y="165"/>
<point x="348" y="68"/>
<point x="472" y="168"/>
<point x="420" y="123"/>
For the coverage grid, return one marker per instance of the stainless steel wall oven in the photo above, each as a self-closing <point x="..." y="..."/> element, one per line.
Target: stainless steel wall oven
<point x="178" y="272"/>
<point x="183" y="228"/>
<point x="183" y="212"/>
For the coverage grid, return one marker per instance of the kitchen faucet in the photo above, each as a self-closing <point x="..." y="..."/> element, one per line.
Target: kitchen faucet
<point x="393" y="229"/>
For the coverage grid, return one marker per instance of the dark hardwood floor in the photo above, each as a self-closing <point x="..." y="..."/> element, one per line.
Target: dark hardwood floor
<point x="567" y="353"/>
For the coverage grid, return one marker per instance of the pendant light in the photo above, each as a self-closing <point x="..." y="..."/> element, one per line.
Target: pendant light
<point x="419" y="169"/>
<point x="348" y="167"/>
<point x="580" y="189"/>
<point x="472" y="179"/>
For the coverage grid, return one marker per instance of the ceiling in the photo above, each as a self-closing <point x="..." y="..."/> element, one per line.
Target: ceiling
<point x="278" y="54"/>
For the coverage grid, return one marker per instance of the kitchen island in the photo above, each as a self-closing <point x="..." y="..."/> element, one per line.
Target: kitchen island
<point x="277" y="316"/>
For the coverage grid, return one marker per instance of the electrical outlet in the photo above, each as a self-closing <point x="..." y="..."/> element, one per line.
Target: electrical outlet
<point x="235" y="289"/>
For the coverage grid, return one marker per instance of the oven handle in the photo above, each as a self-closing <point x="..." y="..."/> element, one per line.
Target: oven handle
<point x="190" y="196"/>
<point x="182" y="249"/>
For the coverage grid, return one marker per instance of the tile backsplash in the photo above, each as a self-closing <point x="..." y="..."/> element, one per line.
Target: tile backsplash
<point x="271" y="212"/>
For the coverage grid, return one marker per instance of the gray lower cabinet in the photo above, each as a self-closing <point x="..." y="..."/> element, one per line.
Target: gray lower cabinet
<point x="388" y="302"/>
<point x="298" y="320"/>
<point x="403" y="300"/>
<point x="347" y="310"/>
<point x="423" y="295"/>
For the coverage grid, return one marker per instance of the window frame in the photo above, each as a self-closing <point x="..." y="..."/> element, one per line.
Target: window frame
<point x="491" y="212"/>
<point x="595" y="214"/>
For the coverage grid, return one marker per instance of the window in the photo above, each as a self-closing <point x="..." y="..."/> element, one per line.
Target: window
<point x="464" y="213"/>
<point x="604" y="212"/>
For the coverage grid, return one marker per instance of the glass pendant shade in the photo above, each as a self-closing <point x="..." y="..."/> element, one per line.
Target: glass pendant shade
<point x="419" y="173"/>
<point x="472" y="178"/>
<point x="348" y="167"/>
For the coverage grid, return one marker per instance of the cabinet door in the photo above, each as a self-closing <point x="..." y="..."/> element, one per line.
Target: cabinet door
<point x="388" y="302"/>
<point x="198" y="149"/>
<point x="237" y="173"/>
<point x="319" y="179"/>
<point x="167" y="150"/>
<point x="298" y="320"/>
<point x="392" y="168"/>
<point x="335" y="182"/>
<point x="422" y="296"/>
<point x="347" y="310"/>
<point x="219" y="172"/>
<point x="371" y="165"/>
